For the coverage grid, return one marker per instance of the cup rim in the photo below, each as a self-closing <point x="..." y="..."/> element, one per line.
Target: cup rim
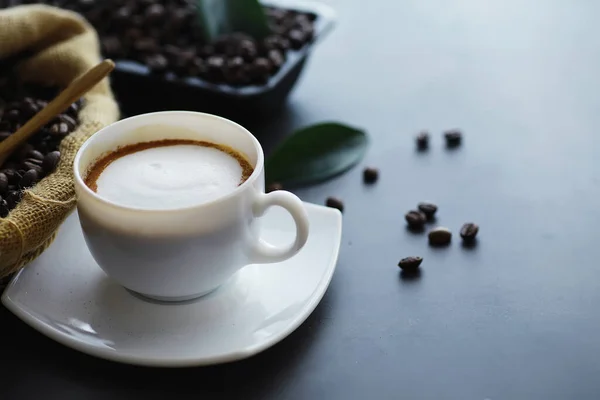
<point x="248" y="182"/>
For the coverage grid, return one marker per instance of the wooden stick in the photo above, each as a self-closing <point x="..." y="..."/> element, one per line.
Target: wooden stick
<point x="74" y="91"/>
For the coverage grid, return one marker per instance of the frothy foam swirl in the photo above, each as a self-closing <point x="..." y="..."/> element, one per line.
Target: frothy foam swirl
<point x="169" y="177"/>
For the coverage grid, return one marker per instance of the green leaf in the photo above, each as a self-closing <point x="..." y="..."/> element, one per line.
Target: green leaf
<point x="219" y="17"/>
<point x="315" y="154"/>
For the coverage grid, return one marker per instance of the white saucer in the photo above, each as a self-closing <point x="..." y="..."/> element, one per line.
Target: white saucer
<point x="66" y="296"/>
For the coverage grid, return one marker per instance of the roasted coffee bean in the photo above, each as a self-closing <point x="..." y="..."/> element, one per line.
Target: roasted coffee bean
<point x="9" y="165"/>
<point x="29" y="179"/>
<point x="60" y="129"/>
<point x="260" y="70"/>
<point x="51" y="161"/>
<point x="275" y="14"/>
<point x="122" y="15"/>
<point x="3" y="208"/>
<point x="178" y="18"/>
<point x="215" y="66"/>
<point x="453" y="138"/>
<point x="182" y="61"/>
<point x="130" y="36"/>
<point x="13" y="198"/>
<point x="12" y="176"/>
<point x="274" y="186"/>
<point x="276" y="42"/>
<point x="23" y="151"/>
<point x="4" y="135"/>
<point x="370" y="175"/>
<point x="410" y="264"/>
<point x="440" y="236"/>
<point x="154" y="13"/>
<point x="415" y="219"/>
<point x="3" y="183"/>
<point x="247" y="50"/>
<point x="297" y="38"/>
<point x="35" y="161"/>
<point x="429" y="209"/>
<point x="28" y="108"/>
<point x="35" y="155"/>
<point x="146" y="45"/>
<point x="335" y="202"/>
<point x="422" y="140"/>
<point x="206" y="50"/>
<point x="27" y="165"/>
<point x="276" y="58"/>
<point x="468" y="232"/>
<point x="171" y="52"/>
<point x="12" y="115"/>
<point x="197" y="68"/>
<point x="74" y="109"/>
<point x="234" y="72"/>
<point x="157" y="63"/>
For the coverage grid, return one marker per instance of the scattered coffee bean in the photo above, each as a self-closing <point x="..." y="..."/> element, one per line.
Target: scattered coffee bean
<point x="410" y="264"/>
<point x="274" y="186"/>
<point x="440" y="236"/>
<point x="370" y="175"/>
<point x="334" y="202"/>
<point x="453" y="138"/>
<point x="469" y="231"/>
<point x="428" y="209"/>
<point x="422" y="140"/>
<point x="415" y="219"/>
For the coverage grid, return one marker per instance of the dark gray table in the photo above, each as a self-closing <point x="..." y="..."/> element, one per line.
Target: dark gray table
<point x="516" y="317"/>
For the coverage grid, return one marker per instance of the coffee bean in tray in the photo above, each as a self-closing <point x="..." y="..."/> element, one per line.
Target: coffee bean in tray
<point x="39" y="156"/>
<point x="165" y="35"/>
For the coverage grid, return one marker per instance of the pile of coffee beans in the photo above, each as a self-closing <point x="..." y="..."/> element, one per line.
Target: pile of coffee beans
<point x="39" y="157"/>
<point x="166" y="36"/>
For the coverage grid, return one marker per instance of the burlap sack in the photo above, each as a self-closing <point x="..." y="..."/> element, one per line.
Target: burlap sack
<point x="64" y="47"/>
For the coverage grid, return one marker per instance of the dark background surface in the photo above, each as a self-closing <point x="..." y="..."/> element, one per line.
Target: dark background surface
<point x="516" y="317"/>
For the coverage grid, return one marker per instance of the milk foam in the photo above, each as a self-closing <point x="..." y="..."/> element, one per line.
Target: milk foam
<point x="169" y="177"/>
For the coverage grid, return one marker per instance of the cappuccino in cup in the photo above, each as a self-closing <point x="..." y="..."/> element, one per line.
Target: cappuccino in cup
<point x="168" y="174"/>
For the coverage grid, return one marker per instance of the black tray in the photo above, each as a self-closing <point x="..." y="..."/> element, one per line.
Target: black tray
<point x="138" y="91"/>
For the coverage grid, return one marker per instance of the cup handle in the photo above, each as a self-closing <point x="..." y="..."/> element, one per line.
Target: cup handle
<point x="263" y="252"/>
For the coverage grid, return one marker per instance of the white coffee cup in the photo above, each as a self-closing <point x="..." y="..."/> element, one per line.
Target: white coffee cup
<point x="184" y="253"/>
